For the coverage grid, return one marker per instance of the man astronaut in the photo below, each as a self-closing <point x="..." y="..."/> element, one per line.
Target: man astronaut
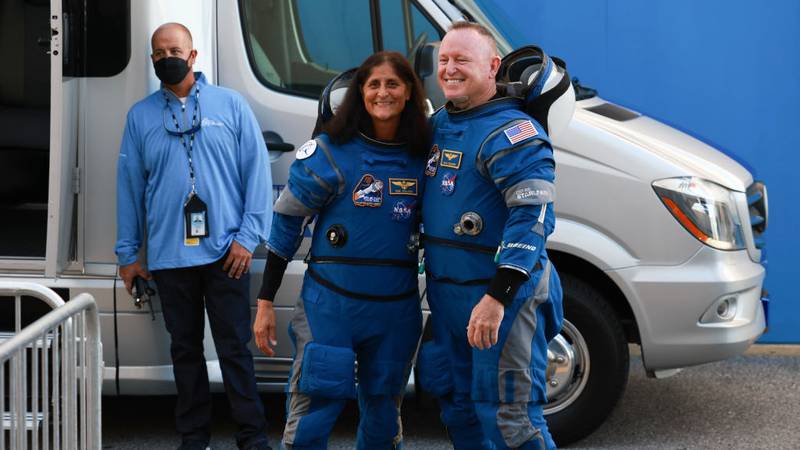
<point x="487" y="210"/>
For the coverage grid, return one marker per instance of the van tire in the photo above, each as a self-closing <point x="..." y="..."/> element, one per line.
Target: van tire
<point x="578" y="413"/>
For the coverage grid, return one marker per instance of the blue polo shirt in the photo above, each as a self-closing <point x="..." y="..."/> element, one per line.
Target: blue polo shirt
<point x="232" y="174"/>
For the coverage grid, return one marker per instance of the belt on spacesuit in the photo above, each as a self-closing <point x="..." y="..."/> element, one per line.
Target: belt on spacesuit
<point x="448" y="280"/>
<point x="458" y="244"/>
<point x="411" y="264"/>
<point x="475" y="282"/>
<point x="357" y="295"/>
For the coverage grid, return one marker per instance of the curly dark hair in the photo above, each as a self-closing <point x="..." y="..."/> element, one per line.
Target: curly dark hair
<point x="351" y="116"/>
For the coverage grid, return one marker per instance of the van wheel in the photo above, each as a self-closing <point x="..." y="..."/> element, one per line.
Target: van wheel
<point x="587" y="364"/>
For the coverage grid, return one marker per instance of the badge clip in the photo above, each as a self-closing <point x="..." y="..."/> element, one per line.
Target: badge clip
<point x="195" y="215"/>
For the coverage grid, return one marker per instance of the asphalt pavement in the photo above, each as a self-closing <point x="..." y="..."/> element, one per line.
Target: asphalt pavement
<point x="748" y="402"/>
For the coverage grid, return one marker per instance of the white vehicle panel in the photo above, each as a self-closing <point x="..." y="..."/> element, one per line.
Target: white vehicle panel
<point x="676" y="148"/>
<point x="604" y="183"/>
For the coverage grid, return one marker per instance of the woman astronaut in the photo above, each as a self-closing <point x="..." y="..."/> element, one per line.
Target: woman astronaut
<point x="360" y="178"/>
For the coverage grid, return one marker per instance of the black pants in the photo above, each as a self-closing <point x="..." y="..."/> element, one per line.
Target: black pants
<point x="184" y="292"/>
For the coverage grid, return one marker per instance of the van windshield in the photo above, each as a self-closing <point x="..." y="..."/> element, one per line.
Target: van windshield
<point x="297" y="46"/>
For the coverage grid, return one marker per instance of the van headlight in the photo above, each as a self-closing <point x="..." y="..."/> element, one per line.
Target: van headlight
<point x="707" y="210"/>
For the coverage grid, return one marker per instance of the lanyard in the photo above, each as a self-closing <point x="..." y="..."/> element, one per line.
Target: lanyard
<point x="191" y="131"/>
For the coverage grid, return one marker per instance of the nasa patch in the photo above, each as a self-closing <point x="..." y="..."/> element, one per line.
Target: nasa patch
<point x="368" y="192"/>
<point x="448" y="183"/>
<point x="401" y="211"/>
<point x="433" y="161"/>
<point x="306" y="149"/>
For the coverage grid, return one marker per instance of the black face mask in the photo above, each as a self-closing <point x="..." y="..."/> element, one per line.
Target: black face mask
<point x="171" y="70"/>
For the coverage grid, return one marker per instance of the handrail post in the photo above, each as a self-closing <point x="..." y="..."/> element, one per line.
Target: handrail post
<point x="70" y="364"/>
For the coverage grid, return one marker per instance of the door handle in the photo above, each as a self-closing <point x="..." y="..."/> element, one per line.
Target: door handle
<point x="275" y="142"/>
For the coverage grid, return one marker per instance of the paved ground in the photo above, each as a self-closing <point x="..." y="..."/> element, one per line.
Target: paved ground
<point x="748" y="402"/>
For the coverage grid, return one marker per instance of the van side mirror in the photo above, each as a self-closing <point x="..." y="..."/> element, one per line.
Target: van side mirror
<point x="426" y="61"/>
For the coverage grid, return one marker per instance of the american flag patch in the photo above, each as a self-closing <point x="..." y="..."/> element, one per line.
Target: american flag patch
<point x="520" y="132"/>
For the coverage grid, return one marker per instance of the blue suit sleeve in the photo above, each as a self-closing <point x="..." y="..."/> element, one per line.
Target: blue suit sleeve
<point x="525" y="174"/>
<point x="131" y="183"/>
<point x="256" y="181"/>
<point x="314" y="181"/>
<point x="286" y="234"/>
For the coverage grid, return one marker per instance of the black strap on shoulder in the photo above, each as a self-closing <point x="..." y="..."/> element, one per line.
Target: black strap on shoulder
<point x="362" y="261"/>
<point x="458" y="244"/>
<point x="356" y="295"/>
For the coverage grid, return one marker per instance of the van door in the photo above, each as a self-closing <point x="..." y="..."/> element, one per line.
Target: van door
<point x="24" y="134"/>
<point x="280" y="55"/>
<point x="61" y="247"/>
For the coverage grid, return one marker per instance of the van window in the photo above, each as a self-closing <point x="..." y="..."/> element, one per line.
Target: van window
<point x="299" y="45"/>
<point x="405" y="28"/>
<point x="97" y="37"/>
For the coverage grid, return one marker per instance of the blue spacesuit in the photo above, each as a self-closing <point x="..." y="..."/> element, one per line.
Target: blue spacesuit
<point x="488" y="205"/>
<point x="360" y="300"/>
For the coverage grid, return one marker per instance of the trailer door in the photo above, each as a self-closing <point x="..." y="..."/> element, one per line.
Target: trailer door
<point x="61" y="247"/>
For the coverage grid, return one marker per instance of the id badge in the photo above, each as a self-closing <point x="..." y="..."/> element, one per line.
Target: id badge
<point x="195" y="215"/>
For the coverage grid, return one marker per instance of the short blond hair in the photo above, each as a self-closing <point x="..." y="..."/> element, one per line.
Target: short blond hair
<point x="478" y="28"/>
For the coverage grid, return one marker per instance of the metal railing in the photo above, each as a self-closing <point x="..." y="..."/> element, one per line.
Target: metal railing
<point x="50" y="374"/>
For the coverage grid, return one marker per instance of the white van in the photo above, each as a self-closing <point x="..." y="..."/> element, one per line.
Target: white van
<point x="658" y="238"/>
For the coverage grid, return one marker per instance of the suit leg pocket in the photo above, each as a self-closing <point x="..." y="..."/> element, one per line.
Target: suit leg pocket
<point x="328" y="371"/>
<point x="434" y="369"/>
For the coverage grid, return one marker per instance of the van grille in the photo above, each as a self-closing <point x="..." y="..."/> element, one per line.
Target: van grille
<point x="757" y="203"/>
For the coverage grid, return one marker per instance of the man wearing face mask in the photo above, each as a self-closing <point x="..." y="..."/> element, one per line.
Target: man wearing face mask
<point x="193" y="172"/>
